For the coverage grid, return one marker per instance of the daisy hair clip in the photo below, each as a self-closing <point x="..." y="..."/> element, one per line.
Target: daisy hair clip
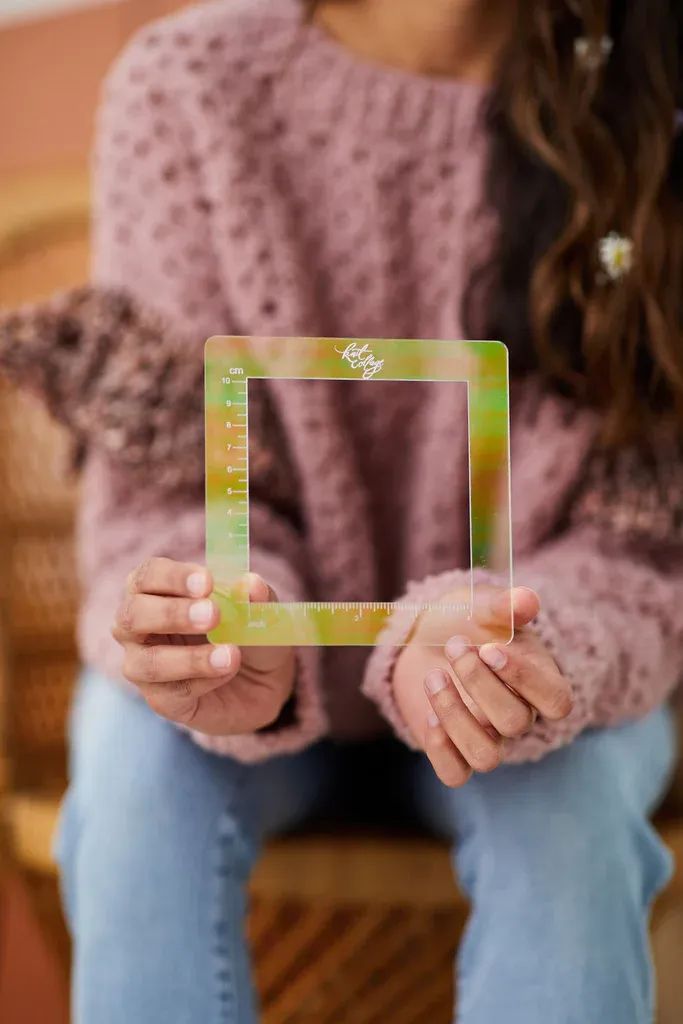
<point x="593" y="53"/>
<point x="615" y="254"/>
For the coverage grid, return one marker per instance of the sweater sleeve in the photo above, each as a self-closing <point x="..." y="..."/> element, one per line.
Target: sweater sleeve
<point x="611" y="589"/>
<point x="121" y="380"/>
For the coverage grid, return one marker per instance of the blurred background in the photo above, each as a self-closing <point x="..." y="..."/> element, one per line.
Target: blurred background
<point x="53" y="55"/>
<point x="345" y="927"/>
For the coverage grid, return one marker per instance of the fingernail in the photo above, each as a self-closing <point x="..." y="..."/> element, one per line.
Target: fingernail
<point x="196" y="584"/>
<point x="201" y="613"/>
<point x="456" y="647"/>
<point x="220" y="657"/>
<point x="493" y="656"/>
<point x="433" y="720"/>
<point x="436" y="681"/>
<point x="257" y="589"/>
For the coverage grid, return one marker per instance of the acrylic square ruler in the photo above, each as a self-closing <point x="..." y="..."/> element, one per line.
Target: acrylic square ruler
<point x="231" y="363"/>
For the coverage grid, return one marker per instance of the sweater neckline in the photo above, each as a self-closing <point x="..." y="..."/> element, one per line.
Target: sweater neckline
<point x="378" y="72"/>
<point x="377" y="99"/>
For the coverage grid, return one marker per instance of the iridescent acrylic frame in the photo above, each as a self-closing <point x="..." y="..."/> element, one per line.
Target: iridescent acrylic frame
<point x="231" y="362"/>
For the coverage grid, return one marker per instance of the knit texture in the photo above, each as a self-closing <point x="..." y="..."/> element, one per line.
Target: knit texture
<point x="252" y="177"/>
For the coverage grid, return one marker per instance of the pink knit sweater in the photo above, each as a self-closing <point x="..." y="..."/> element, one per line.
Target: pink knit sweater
<point x="253" y="177"/>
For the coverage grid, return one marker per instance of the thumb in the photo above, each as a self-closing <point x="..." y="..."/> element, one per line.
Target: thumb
<point x="523" y="602"/>
<point x="526" y="605"/>
<point x="259" y="591"/>
<point x="263" y="659"/>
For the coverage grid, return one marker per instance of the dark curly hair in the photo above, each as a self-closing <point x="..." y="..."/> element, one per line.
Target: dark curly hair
<point x="577" y="152"/>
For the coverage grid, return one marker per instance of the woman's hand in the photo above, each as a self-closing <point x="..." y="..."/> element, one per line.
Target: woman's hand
<point x="462" y="702"/>
<point x="162" y="625"/>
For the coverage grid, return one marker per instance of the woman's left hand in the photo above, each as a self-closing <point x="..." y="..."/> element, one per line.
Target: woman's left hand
<point x="462" y="703"/>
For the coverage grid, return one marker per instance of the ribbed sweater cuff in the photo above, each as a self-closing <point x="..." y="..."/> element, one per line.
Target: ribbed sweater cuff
<point x="553" y="625"/>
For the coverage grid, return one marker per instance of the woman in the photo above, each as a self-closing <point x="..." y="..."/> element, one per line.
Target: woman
<point x="363" y="169"/>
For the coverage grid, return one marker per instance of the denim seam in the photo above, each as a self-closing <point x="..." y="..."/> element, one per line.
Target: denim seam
<point x="487" y="855"/>
<point x="227" y="922"/>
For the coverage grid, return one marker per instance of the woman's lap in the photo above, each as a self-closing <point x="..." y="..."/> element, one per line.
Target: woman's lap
<point x="158" y="838"/>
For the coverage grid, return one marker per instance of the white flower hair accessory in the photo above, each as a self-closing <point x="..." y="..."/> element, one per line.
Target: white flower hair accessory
<point x="593" y="53"/>
<point x="615" y="253"/>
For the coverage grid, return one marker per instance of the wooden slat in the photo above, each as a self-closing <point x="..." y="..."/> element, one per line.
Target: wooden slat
<point x="43" y="595"/>
<point x="406" y="983"/>
<point x="357" y="935"/>
<point x="381" y="871"/>
<point x="41" y="700"/>
<point x="38" y="491"/>
<point x="269" y="920"/>
<point x="289" y="947"/>
<point x="371" y="966"/>
<point x="439" y="1000"/>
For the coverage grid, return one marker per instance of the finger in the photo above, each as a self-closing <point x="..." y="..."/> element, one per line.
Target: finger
<point x="449" y="765"/>
<point x="145" y="664"/>
<point x="253" y="588"/>
<point x="521" y="605"/>
<point x="259" y="591"/>
<point x="479" y="749"/>
<point x="142" y="614"/>
<point x="526" y="605"/>
<point x="508" y="714"/>
<point x="165" y="577"/>
<point x="263" y="659"/>
<point x="181" y="699"/>
<point x="540" y="683"/>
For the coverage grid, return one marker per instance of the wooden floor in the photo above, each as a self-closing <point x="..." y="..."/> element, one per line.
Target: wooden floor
<point x="33" y="984"/>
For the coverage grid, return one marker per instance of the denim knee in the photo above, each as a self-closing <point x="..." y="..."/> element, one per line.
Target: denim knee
<point x="138" y="784"/>
<point x="562" y="864"/>
<point x="580" y="813"/>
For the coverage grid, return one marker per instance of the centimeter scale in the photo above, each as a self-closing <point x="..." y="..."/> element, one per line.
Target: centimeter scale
<point x="232" y="362"/>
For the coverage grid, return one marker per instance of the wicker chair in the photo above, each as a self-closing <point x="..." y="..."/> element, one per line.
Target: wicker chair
<point x="371" y="926"/>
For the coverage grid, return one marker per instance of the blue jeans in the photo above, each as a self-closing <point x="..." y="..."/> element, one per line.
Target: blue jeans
<point x="157" y="840"/>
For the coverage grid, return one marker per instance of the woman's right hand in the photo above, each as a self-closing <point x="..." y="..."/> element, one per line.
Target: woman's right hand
<point x="218" y="690"/>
